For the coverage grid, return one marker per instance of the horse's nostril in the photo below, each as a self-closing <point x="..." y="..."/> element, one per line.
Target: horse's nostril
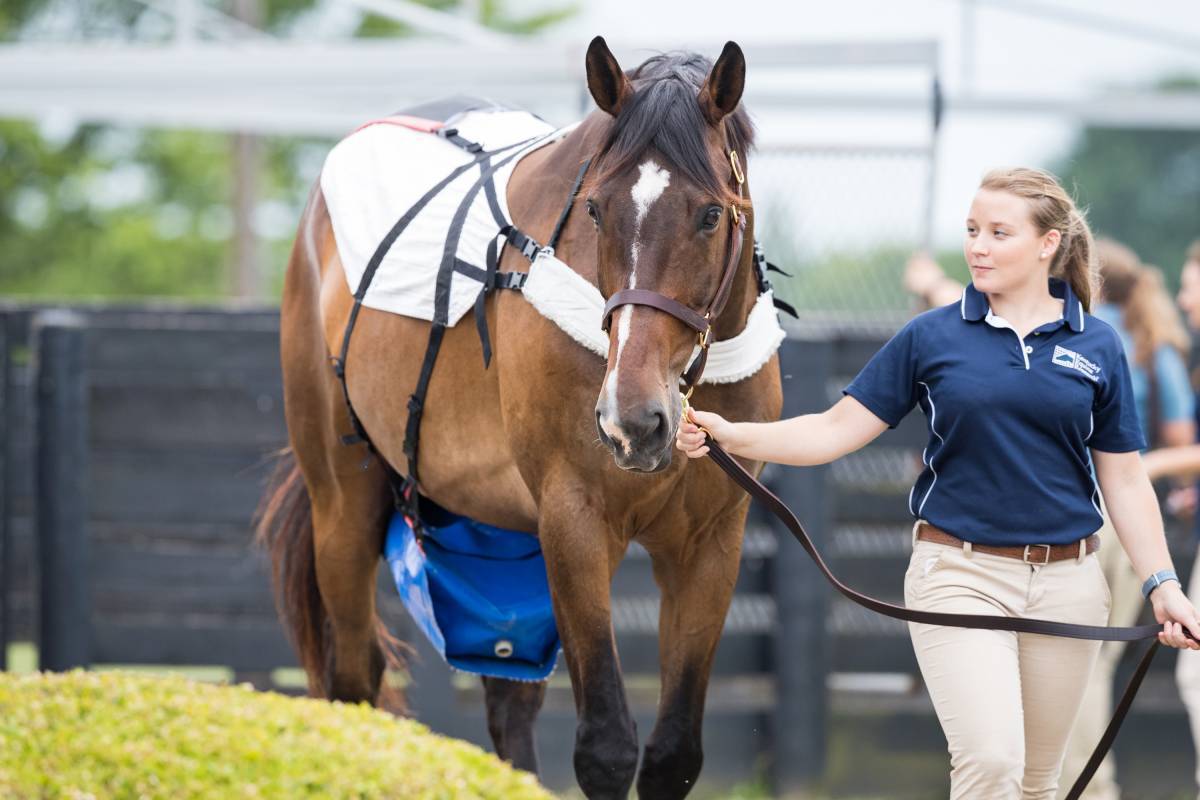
<point x="661" y="428"/>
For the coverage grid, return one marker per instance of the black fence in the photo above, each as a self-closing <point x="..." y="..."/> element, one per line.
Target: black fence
<point x="136" y="445"/>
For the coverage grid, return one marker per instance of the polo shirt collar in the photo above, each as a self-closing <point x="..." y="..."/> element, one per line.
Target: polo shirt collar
<point x="974" y="304"/>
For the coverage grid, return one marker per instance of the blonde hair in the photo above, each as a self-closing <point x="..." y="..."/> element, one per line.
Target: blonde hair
<point x="1051" y="208"/>
<point x="1146" y="308"/>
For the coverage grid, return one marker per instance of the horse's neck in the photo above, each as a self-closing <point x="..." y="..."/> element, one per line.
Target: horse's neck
<point x="540" y="188"/>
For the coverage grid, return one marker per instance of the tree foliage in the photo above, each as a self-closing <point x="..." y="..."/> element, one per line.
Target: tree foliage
<point x="102" y="211"/>
<point x="1141" y="187"/>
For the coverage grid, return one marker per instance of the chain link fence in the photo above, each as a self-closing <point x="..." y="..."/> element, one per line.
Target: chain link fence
<point x="842" y="221"/>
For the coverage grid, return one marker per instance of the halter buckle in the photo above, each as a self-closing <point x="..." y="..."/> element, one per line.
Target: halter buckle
<point x="705" y="334"/>
<point x="687" y="407"/>
<point x="736" y="163"/>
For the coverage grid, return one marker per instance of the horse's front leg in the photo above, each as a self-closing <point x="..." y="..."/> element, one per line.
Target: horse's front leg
<point x="512" y="709"/>
<point x="696" y="579"/>
<point x="581" y="556"/>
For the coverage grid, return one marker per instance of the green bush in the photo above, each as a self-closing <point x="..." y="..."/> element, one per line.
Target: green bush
<point x="118" y="735"/>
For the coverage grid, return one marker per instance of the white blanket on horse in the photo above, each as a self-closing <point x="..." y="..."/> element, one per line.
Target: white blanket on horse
<point x="376" y="174"/>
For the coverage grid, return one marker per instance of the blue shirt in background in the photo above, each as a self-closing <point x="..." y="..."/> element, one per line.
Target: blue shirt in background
<point x="1010" y="419"/>
<point x="1176" y="401"/>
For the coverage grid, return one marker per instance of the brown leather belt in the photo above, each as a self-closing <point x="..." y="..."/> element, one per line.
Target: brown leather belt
<point x="1031" y="553"/>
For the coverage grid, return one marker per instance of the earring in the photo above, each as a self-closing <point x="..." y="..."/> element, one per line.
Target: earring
<point x="1043" y="254"/>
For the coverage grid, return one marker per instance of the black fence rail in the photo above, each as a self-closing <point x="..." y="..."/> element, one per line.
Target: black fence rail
<point x="137" y="443"/>
<point x="18" y="402"/>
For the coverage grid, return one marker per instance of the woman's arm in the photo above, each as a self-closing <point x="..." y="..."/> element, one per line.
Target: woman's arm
<point x="924" y="277"/>
<point x="1181" y="462"/>
<point x="800" y="441"/>
<point x="1134" y="512"/>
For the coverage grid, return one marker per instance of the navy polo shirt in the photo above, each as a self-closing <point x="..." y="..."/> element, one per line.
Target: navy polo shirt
<point x="1011" y="420"/>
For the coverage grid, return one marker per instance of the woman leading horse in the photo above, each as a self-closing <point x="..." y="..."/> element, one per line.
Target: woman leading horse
<point x="516" y="445"/>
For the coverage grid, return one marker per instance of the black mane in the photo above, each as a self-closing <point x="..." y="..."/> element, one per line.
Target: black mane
<point x="663" y="113"/>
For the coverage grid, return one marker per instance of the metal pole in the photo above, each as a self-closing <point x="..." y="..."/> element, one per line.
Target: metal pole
<point x="247" y="162"/>
<point x="937" y="108"/>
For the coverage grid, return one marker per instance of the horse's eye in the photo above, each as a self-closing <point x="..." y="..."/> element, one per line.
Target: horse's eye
<point x="712" y="218"/>
<point x="593" y="213"/>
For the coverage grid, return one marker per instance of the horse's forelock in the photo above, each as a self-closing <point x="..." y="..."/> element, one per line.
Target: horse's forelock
<point x="663" y="114"/>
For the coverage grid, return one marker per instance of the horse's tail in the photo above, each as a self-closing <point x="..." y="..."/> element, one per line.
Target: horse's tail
<point x="284" y="529"/>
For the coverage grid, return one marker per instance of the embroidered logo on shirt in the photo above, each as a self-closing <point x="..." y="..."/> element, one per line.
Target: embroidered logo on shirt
<point x="1072" y="360"/>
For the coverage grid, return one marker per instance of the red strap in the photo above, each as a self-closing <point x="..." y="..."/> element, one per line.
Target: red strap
<point x="405" y="121"/>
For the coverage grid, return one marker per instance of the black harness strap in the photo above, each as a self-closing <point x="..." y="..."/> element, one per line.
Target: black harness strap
<point x="402" y="489"/>
<point x="339" y="362"/>
<point x="451" y="135"/>
<point x="494" y="279"/>
<point x="409" y="499"/>
<point x="761" y="268"/>
<point x="566" y="212"/>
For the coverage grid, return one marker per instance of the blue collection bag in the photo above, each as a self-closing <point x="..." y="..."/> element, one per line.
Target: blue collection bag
<point x="479" y="594"/>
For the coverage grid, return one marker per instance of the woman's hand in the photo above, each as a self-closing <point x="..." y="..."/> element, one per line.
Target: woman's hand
<point x="690" y="439"/>
<point x="1176" y="613"/>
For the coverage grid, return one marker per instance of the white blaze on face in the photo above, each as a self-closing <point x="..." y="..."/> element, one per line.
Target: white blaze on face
<point x="651" y="183"/>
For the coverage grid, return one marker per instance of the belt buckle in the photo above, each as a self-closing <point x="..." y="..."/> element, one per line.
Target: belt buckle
<point x="1025" y="558"/>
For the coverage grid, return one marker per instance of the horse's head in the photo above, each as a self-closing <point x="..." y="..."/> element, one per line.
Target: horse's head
<point x="665" y="196"/>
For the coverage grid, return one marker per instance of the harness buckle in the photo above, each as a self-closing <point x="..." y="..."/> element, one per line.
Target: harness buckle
<point x="1042" y="563"/>
<point x="736" y="163"/>
<point x="704" y="335"/>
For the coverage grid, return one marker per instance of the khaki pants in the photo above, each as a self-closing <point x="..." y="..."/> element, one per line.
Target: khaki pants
<point x="1005" y="701"/>
<point x="1096" y="711"/>
<point x="1187" y="673"/>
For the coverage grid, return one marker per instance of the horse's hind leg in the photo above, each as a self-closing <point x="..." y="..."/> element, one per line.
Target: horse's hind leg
<point x="327" y="570"/>
<point x="512" y="709"/>
<point x="697" y="586"/>
<point x="348" y="529"/>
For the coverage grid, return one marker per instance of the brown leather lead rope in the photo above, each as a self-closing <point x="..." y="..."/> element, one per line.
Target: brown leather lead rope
<point x="1020" y="625"/>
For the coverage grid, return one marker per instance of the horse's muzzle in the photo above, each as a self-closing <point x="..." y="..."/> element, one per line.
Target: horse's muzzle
<point x="640" y="441"/>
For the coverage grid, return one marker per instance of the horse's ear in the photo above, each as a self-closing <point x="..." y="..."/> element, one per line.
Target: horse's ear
<point x="607" y="83"/>
<point x="722" y="90"/>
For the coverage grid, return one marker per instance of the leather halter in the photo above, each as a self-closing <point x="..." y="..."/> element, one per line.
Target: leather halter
<point x="700" y="322"/>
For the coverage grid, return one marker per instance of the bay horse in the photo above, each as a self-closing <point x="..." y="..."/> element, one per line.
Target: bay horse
<point x="550" y="439"/>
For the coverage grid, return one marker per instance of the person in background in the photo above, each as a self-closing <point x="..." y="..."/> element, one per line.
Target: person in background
<point x="1133" y="300"/>
<point x="1184" y="462"/>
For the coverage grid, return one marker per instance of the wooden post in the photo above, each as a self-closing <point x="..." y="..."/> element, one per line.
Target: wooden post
<point x="62" y="484"/>
<point x="801" y="593"/>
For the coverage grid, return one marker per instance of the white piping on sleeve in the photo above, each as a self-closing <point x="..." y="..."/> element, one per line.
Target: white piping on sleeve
<point x="1091" y="466"/>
